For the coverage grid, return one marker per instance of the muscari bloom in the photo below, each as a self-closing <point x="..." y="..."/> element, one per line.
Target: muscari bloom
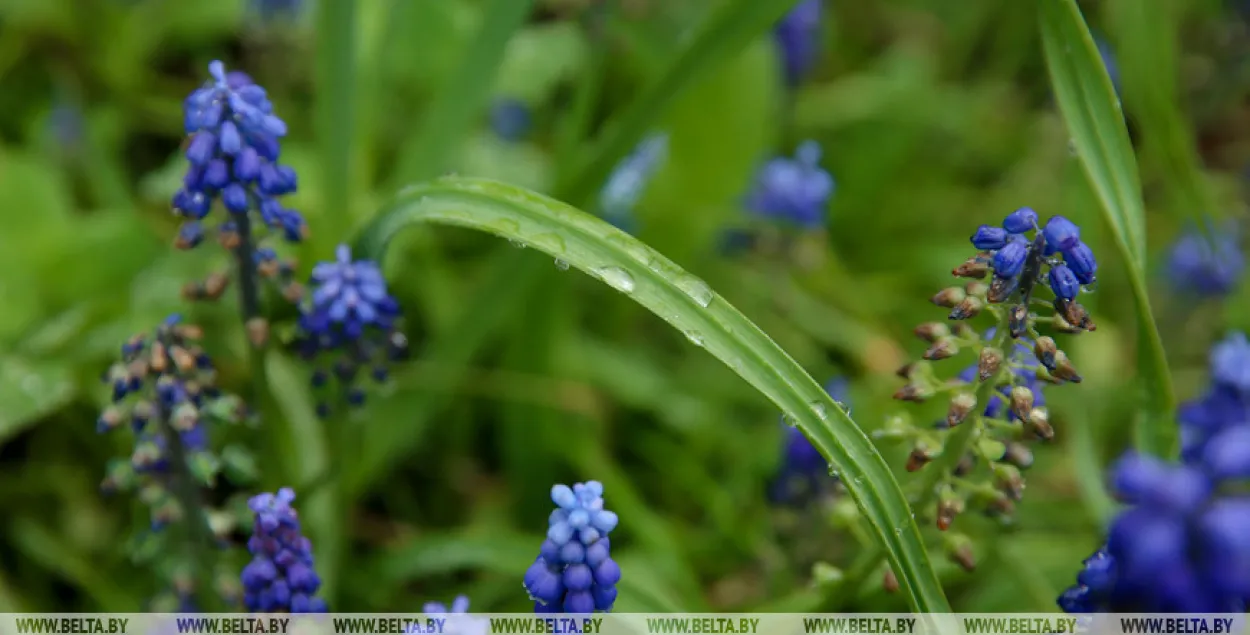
<point x="281" y="577"/>
<point x="1226" y="402"/>
<point x="233" y="147"/>
<point x="510" y="118"/>
<point x="352" y="318"/>
<point x="456" y="621"/>
<point x="1207" y="266"/>
<point x="793" y="190"/>
<point x="164" y="388"/>
<point x="628" y="180"/>
<point x="798" y="39"/>
<point x="574" y="572"/>
<point x="804" y="469"/>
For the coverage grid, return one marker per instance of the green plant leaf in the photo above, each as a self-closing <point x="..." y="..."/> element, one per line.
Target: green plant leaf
<point x="335" y="112"/>
<point x="1095" y="120"/>
<point x="689" y="305"/>
<point x="29" y="390"/>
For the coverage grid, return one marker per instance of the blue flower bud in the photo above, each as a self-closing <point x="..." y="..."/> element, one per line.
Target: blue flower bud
<point x="989" y="237"/>
<point x="1061" y="234"/>
<point x="1063" y="282"/>
<point x="1080" y="258"/>
<point x="1020" y="221"/>
<point x="1008" y="262"/>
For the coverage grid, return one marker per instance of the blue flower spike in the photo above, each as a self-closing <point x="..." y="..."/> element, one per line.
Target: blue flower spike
<point x="349" y="321"/>
<point x="281" y="578"/>
<point x="233" y="146"/>
<point x="574" y="571"/>
<point x="794" y="191"/>
<point x="163" y="389"/>
<point x="798" y="39"/>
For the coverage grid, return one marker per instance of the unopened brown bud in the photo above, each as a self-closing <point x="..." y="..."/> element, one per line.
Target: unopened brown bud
<point x="228" y="238"/>
<point x="978" y="289"/>
<point x="964" y="466"/>
<point x="189" y="331"/>
<point x="961" y="405"/>
<point x="1001" y="506"/>
<point x="917" y="459"/>
<point x="1045" y="350"/>
<point x="949" y="297"/>
<point x="267" y="268"/>
<point x="1075" y="314"/>
<point x="293" y="291"/>
<point x="1018" y="321"/>
<point x="157" y="359"/>
<point x="974" y="267"/>
<point x="913" y="393"/>
<point x="1039" y="423"/>
<point x="1021" y="401"/>
<point x="948" y="509"/>
<point x="970" y="307"/>
<point x="1019" y="455"/>
<point x="906" y="370"/>
<point x="184" y="360"/>
<point x="1064" y="369"/>
<point x="1000" y="289"/>
<point x="988" y="363"/>
<point x="111" y="417"/>
<point x="1063" y="326"/>
<point x="963" y="556"/>
<point x="943" y="348"/>
<point x="890" y="582"/>
<point x="1009" y="481"/>
<point x="258" y="331"/>
<point x="931" y="331"/>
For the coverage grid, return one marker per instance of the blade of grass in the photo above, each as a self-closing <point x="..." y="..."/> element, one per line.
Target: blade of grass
<point x="336" y="118"/>
<point x="451" y="115"/>
<point x="689" y="305"/>
<point x="1089" y="106"/>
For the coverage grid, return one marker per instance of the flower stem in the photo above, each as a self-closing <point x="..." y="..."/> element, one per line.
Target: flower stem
<point x="250" y="311"/>
<point x="201" y="543"/>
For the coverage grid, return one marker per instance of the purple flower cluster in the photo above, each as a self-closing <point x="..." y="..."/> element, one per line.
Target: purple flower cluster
<point x="1017" y="259"/>
<point x="1207" y="266"/>
<point x="798" y="39"/>
<point x="793" y="190"/>
<point x="1182" y="545"/>
<point x="1022" y="367"/>
<point x="351" y="316"/>
<point x="233" y="148"/>
<point x="281" y="576"/>
<point x="456" y="621"/>
<point x="804" y="470"/>
<point x="574" y="572"/>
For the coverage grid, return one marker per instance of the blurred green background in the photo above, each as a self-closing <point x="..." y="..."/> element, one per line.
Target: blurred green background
<point x="934" y="116"/>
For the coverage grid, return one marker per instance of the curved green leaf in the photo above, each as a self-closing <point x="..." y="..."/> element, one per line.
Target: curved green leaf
<point x="1095" y="120"/>
<point x="688" y="304"/>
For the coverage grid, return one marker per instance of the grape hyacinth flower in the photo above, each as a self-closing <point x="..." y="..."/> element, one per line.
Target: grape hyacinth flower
<point x="1207" y="266"/>
<point x="163" y="387"/>
<point x="798" y="39"/>
<point x="281" y="577"/>
<point x="510" y="118"/>
<point x="997" y="402"/>
<point x="350" y="317"/>
<point x="804" y="470"/>
<point x="1182" y="546"/>
<point x="574" y="572"/>
<point x="457" y="621"/>
<point x="232" y="148"/>
<point x="793" y="190"/>
<point x="628" y="180"/>
<point x="1226" y="402"/>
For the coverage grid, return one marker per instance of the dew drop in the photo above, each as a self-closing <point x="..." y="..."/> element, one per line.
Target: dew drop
<point x="859" y="479"/>
<point x="1091" y="287"/>
<point x="562" y="265"/>
<point x="898" y="531"/>
<point x="516" y="243"/>
<point x="618" y="278"/>
<point x="694" y="338"/>
<point x="696" y="289"/>
<point x="1072" y="147"/>
<point x="833" y="471"/>
<point x="790" y="419"/>
<point x="820" y="410"/>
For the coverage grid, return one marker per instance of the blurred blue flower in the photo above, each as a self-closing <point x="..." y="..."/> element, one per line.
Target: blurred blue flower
<point x="281" y="577"/>
<point x="1182" y="545"/>
<point x="628" y="180"/>
<point x="795" y="191"/>
<point x="804" y="470"/>
<point x="574" y="572"/>
<point x="510" y="118"/>
<point x="164" y="384"/>
<point x="233" y="148"/>
<point x="1207" y="265"/>
<point x="350" y="316"/>
<point x="1109" y="62"/>
<point x="1226" y="402"/>
<point x="798" y="39"/>
<point x="457" y="621"/>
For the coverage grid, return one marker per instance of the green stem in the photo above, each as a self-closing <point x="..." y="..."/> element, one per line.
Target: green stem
<point x="201" y="542"/>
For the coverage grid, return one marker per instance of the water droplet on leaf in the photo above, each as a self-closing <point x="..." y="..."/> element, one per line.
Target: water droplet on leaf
<point x="618" y="278"/>
<point x="516" y="243"/>
<point x="790" y="419"/>
<point x="562" y="265"/>
<point x="694" y="338"/>
<point x="696" y="289"/>
<point x="820" y="410"/>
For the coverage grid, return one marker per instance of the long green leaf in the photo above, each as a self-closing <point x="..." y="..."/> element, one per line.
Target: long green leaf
<point x="689" y="305"/>
<point x="336" y="118"/>
<point x="1095" y="120"/>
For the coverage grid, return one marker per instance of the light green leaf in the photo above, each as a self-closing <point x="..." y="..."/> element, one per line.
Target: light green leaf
<point x="1095" y="120"/>
<point x="538" y="58"/>
<point x="30" y="389"/>
<point x="689" y="305"/>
